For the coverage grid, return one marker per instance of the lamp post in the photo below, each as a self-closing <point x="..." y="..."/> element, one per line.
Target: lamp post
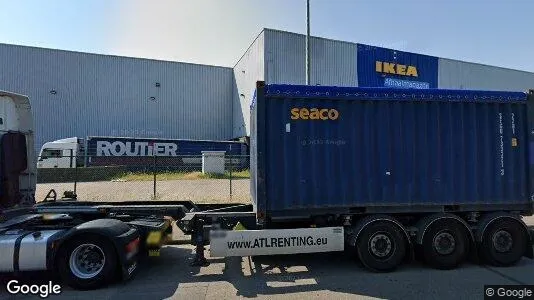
<point x="307" y="42"/>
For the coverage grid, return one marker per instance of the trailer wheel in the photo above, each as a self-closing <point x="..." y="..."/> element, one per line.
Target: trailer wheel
<point x="381" y="246"/>
<point x="504" y="242"/>
<point x="445" y="244"/>
<point x="87" y="262"/>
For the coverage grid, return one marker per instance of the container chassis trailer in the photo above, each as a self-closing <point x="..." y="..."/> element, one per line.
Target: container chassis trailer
<point x="364" y="191"/>
<point x="385" y="174"/>
<point x="92" y="244"/>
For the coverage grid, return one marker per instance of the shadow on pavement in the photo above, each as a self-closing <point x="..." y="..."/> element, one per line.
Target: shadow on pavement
<point x="306" y="275"/>
<point x="290" y="274"/>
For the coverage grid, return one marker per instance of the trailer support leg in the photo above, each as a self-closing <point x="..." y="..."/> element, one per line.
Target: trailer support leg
<point x="199" y="260"/>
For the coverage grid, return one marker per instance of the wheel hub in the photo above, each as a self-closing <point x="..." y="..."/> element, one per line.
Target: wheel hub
<point x="502" y="241"/>
<point x="444" y="243"/>
<point x="87" y="261"/>
<point x="380" y="245"/>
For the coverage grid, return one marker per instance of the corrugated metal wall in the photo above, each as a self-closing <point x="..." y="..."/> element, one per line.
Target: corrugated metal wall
<point x="454" y="74"/>
<point x="332" y="62"/>
<point x="109" y="95"/>
<point x="338" y="63"/>
<point x="248" y="70"/>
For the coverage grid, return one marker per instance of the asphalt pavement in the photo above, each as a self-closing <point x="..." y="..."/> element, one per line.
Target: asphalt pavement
<point x="309" y="276"/>
<point x="302" y="276"/>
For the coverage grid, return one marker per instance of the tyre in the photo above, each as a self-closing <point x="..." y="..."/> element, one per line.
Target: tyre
<point x="87" y="262"/>
<point x="503" y="242"/>
<point x="381" y="246"/>
<point x="445" y="244"/>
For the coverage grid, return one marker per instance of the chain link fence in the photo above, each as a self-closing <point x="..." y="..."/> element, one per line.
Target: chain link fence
<point x="127" y="178"/>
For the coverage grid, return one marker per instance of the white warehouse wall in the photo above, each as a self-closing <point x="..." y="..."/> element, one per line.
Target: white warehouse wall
<point x="111" y="96"/>
<point x="454" y="74"/>
<point x="332" y="62"/>
<point x="248" y="70"/>
<point x="279" y="57"/>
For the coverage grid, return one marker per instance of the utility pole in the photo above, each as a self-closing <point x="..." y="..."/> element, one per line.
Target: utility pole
<point x="307" y="42"/>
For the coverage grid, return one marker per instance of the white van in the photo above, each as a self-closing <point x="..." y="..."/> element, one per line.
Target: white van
<point x="64" y="153"/>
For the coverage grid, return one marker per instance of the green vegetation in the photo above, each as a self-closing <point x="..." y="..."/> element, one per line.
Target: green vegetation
<point x="140" y="176"/>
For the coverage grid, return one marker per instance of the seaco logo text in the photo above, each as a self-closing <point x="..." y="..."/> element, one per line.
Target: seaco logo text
<point x="322" y="114"/>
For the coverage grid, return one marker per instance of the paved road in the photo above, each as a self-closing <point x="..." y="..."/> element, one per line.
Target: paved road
<point x="324" y="276"/>
<point x="309" y="276"/>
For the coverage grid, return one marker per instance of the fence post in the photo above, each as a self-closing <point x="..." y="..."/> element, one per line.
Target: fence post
<point x="75" y="172"/>
<point x="71" y="160"/>
<point x="230" y="167"/>
<point x="154" y="170"/>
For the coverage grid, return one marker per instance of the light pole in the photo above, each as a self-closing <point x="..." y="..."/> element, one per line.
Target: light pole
<point x="307" y="42"/>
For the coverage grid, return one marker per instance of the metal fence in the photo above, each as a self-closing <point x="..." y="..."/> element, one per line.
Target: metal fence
<point x="145" y="178"/>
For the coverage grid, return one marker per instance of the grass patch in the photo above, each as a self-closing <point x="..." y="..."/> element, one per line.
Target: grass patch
<point x="140" y="176"/>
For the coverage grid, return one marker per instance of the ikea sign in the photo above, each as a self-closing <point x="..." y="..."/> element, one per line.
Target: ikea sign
<point x="395" y="68"/>
<point x="382" y="67"/>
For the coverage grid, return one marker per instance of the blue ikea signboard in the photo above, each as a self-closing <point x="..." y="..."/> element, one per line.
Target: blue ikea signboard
<point x="382" y="67"/>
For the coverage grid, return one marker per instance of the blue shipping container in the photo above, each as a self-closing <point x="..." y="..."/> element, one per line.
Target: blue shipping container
<point x="317" y="150"/>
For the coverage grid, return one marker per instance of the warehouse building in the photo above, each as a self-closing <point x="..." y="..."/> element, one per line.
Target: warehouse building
<point x="279" y="57"/>
<point x="81" y="94"/>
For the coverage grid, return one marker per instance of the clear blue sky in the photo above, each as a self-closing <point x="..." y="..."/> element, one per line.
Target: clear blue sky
<point x="495" y="32"/>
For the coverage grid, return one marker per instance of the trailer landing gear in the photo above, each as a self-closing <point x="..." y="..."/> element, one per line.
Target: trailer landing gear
<point x="199" y="260"/>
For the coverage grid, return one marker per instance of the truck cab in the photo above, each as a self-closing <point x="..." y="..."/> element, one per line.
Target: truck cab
<point x="17" y="157"/>
<point x="90" y="244"/>
<point x="63" y="153"/>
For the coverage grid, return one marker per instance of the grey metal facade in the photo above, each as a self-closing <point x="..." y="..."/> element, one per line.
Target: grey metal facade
<point x="454" y="74"/>
<point x="279" y="57"/>
<point x="79" y="94"/>
<point x="335" y="63"/>
<point x="248" y="70"/>
<point x="332" y="62"/>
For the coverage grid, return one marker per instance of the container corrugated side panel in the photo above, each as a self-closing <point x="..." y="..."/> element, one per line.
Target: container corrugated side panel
<point x="454" y="74"/>
<point x="387" y="152"/>
<point x="332" y="62"/>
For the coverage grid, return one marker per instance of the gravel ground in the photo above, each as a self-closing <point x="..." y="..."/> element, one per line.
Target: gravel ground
<point x="201" y="190"/>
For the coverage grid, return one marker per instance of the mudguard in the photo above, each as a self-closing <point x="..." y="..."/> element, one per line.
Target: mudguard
<point x="116" y="231"/>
